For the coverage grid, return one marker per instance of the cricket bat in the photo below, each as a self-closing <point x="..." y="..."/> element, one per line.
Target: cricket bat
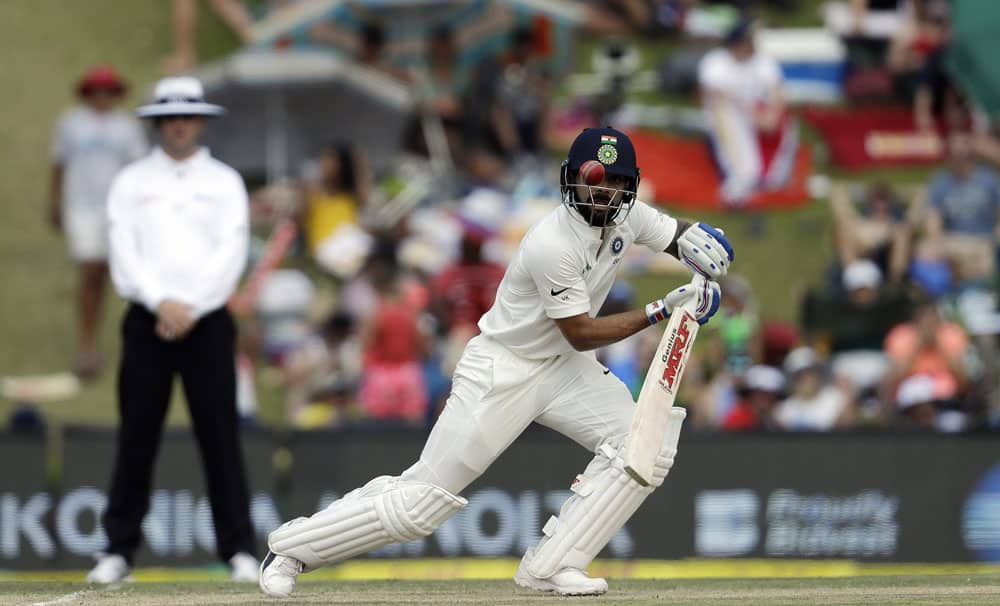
<point x="659" y="390"/>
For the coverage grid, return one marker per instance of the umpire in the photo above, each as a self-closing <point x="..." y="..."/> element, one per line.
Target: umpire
<point x="178" y="245"/>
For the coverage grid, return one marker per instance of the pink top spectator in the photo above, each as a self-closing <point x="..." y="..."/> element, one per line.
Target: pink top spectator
<point x="951" y="341"/>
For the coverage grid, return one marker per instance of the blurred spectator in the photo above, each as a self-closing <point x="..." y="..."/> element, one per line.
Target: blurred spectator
<point x="618" y="16"/>
<point x="962" y="218"/>
<point x="523" y="96"/>
<point x="813" y="403"/>
<point x="923" y="34"/>
<point x="506" y="108"/>
<point x="371" y="49"/>
<point x="442" y="82"/>
<point x="915" y="400"/>
<point x="928" y="345"/>
<point x="861" y="11"/>
<point x="930" y="270"/>
<point x="938" y="102"/>
<point x="852" y="326"/>
<point x="617" y="61"/>
<point x="867" y="28"/>
<point x="732" y="343"/>
<point x="778" y="338"/>
<point x="874" y="225"/>
<point x="338" y="196"/>
<point x="759" y="392"/>
<point x="920" y="408"/>
<point x="321" y="375"/>
<point x="490" y="131"/>
<point x="184" y="14"/>
<point x="392" y="383"/>
<point x="736" y="330"/>
<point x="440" y="87"/>
<point x="359" y="295"/>
<point x="754" y="139"/>
<point x="92" y="141"/>
<point x="369" y="45"/>
<point x="282" y="306"/>
<point x="463" y="292"/>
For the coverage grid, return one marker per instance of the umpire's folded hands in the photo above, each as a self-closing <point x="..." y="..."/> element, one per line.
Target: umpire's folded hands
<point x="174" y="320"/>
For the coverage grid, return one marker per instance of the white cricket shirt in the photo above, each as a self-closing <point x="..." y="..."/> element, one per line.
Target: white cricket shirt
<point x="748" y="82"/>
<point x="92" y="147"/>
<point x="564" y="268"/>
<point x="179" y="230"/>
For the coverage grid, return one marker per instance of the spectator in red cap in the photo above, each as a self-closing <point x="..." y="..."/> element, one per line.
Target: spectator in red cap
<point x="92" y="141"/>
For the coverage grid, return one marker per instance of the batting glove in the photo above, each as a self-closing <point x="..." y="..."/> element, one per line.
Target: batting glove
<point x="706" y="250"/>
<point x="706" y="293"/>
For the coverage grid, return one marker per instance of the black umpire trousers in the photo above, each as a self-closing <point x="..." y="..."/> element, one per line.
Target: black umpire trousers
<point x="205" y="360"/>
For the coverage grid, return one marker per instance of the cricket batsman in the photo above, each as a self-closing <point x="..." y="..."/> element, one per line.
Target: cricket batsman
<point x="534" y="361"/>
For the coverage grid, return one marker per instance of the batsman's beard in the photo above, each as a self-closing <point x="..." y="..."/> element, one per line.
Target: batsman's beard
<point x="602" y="206"/>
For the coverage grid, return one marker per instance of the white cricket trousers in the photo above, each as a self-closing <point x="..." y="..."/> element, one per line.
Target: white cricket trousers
<point x="496" y="394"/>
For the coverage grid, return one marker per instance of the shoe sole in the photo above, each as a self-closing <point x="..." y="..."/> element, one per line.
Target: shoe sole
<point x="126" y="579"/>
<point x="545" y="587"/>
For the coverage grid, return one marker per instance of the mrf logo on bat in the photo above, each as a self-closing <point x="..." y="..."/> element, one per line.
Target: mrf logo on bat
<point x="673" y="356"/>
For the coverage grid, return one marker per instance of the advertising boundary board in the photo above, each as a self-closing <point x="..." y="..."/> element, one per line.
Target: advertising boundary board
<point x="854" y="496"/>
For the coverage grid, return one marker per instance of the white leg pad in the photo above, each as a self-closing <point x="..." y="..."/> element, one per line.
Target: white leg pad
<point x="386" y="510"/>
<point x="604" y="497"/>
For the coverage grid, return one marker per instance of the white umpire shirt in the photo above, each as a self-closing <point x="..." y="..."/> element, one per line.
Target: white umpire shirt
<point x="179" y="230"/>
<point x="564" y="268"/>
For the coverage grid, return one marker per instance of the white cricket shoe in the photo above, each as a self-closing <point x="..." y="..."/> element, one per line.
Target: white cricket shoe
<point x="110" y="568"/>
<point x="244" y="568"/>
<point x="277" y="575"/>
<point x="568" y="581"/>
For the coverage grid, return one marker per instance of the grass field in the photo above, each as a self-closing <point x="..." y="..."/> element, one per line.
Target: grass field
<point x="916" y="589"/>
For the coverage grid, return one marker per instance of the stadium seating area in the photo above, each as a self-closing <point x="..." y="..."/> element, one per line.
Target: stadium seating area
<point x="387" y="229"/>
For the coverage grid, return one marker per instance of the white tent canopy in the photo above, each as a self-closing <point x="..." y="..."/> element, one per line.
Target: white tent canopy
<point x="283" y="106"/>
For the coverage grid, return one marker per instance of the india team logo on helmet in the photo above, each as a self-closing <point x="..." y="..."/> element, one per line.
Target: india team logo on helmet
<point x="607" y="154"/>
<point x="600" y="206"/>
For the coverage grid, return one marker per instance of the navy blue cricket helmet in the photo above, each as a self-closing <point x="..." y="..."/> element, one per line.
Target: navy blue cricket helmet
<point x="614" y="150"/>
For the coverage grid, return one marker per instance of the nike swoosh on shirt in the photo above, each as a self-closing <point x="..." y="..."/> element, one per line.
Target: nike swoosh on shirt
<point x="556" y="293"/>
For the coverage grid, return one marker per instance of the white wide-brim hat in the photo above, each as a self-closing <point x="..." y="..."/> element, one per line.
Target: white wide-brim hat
<point x="179" y="96"/>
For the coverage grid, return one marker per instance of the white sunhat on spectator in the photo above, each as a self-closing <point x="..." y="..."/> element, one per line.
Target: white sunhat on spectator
<point x="862" y="273"/>
<point x="918" y="389"/>
<point x="179" y="96"/>
<point x="764" y="378"/>
<point x="799" y="359"/>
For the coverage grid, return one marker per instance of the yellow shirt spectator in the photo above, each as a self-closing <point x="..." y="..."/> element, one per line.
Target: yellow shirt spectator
<point x="326" y="213"/>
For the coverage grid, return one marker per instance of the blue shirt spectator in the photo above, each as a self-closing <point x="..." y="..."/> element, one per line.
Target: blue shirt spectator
<point x="965" y="195"/>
